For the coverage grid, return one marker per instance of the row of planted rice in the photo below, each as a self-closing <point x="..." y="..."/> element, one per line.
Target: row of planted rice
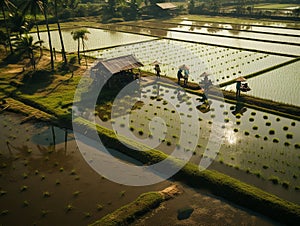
<point x="224" y="64"/>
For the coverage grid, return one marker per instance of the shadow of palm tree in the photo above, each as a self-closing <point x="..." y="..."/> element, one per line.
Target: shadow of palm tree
<point x="36" y="80"/>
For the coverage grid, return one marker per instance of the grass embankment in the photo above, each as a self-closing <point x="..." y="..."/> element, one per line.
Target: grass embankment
<point x="218" y="183"/>
<point x="128" y="213"/>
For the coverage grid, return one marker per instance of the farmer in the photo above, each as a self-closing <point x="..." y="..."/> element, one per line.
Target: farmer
<point x="186" y="77"/>
<point x="157" y="69"/>
<point x="179" y="75"/>
<point x="238" y="88"/>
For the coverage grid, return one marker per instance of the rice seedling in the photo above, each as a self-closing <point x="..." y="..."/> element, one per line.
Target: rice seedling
<point x="46" y="194"/>
<point x="289" y="136"/>
<point x="99" y="207"/>
<point x="285" y="184"/>
<point x="73" y="172"/>
<point x="4" y="212"/>
<point x="25" y="175"/>
<point x="265" y="167"/>
<point x="69" y="207"/>
<point x="25" y="203"/>
<point x="271" y="131"/>
<point x="2" y="192"/>
<point x="76" y="193"/>
<point x="87" y="215"/>
<point x="122" y="193"/>
<point x="23" y="188"/>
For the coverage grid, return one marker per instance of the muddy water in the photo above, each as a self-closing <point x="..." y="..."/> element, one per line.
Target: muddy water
<point x="204" y="208"/>
<point x="45" y="181"/>
<point x="47" y="184"/>
<point x="256" y="146"/>
<point x="97" y="38"/>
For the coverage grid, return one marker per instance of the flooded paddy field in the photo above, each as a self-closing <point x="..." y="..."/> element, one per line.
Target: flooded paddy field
<point x="45" y="181"/>
<point x="259" y="148"/>
<point x="96" y="38"/>
<point x="279" y="85"/>
<point x="224" y="64"/>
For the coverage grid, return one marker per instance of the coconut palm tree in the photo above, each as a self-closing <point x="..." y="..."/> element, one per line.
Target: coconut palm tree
<point x="25" y="45"/>
<point x="80" y="35"/>
<point x="18" y="23"/>
<point x="34" y="7"/>
<point x="7" y="5"/>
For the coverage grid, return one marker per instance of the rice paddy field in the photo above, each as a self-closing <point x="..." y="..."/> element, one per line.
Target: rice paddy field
<point x="259" y="148"/>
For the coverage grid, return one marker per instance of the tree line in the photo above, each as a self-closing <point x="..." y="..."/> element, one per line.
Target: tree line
<point x="241" y="7"/>
<point x="16" y="37"/>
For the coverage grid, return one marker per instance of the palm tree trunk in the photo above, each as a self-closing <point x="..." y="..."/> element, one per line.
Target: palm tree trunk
<point x="78" y="50"/>
<point x="84" y="51"/>
<point x="62" y="43"/>
<point x="60" y="35"/>
<point x="7" y="30"/>
<point x="37" y="29"/>
<point x="49" y="39"/>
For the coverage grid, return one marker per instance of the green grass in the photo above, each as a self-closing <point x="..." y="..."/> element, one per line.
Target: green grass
<point x="128" y="213"/>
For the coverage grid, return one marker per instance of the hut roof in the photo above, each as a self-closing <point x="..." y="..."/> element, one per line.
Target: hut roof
<point x="115" y="65"/>
<point x="166" y="5"/>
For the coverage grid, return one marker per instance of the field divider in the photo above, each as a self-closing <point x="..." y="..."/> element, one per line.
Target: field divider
<point x="244" y="24"/>
<point x="115" y="46"/>
<point x="216" y="35"/>
<point x="139" y="207"/>
<point x="221" y="28"/>
<point x="204" y="43"/>
<point x="262" y="71"/>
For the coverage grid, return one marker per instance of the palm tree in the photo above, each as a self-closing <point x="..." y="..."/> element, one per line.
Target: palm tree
<point x="25" y="45"/>
<point x="7" y="5"/>
<point x="18" y="23"/>
<point x="80" y="35"/>
<point x="60" y="34"/>
<point x="33" y="7"/>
